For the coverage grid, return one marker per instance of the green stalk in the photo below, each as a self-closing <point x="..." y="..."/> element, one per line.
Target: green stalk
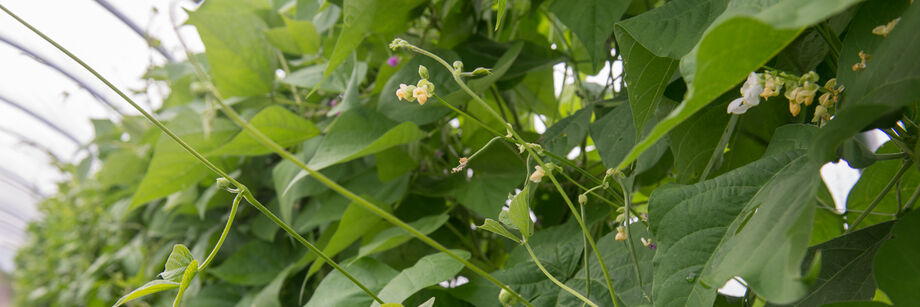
<point x="242" y="188"/>
<point x="549" y="173"/>
<point x="556" y="281"/>
<point x="878" y="198"/>
<point x="720" y="149"/>
<point x="223" y="235"/>
<point x="629" y="239"/>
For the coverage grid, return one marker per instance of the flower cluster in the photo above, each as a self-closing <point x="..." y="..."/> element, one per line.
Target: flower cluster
<point x="421" y="91"/>
<point x="827" y="100"/>
<point x="799" y="91"/>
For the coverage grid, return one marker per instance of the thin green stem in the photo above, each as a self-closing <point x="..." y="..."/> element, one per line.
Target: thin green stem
<point x="477" y="121"/>
<point x="585" y="231"/>
<point x="910" y="201"/>
<point x="549" y="173"/>
<point x="223" y="235"/>
<point x="629" y="239"/>
<point x="878" y="198"/>
<point x="556" y="281"/>
<point x="584" y="243"/>
<point x="242" y="188"/>
<point x="720" y="149"/>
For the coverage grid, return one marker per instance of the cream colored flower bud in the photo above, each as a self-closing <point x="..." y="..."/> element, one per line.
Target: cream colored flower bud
<point x="422" y="72"/>
<point x="582" y="199"/>
<point x="537" y="174"/>
<point x="794" y="108"/>
<point x="621" y="234"/>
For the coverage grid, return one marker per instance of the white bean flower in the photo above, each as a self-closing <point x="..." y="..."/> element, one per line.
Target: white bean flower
<point x="750" y="95"/>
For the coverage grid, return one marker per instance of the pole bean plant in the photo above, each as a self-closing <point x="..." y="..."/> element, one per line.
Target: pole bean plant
<point x="501" y="153"/>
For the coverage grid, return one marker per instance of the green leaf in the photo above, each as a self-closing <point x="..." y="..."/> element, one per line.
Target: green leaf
<point x="177" y="263"/>
<point x="187" y="277"/>
<point x="121" y="167"/>
<point x="429" y="302"/>
<point x="430" y="270"/>
<point x="592" y="21"/>
<point x="360" y="132"/>
<point x="652" y="42"/>
<point x="890" y="82"/>
<point x="172" y="168"/>
<point x="147" y="289"/>
<point x="395" y="236"/>
<point x="277" y="123"/>
<point x="356" y="26"/>
<point x="694" y="140"/>
<point x="706" y="229"/>
<point x="497" y="228"/>
<point x="896" y="268"/>
<point x="255" y="263"/>
<point x="336" y="290"/>
<point x="620" y="264"/>
<point x="871" y="182"/>
<point x="355" y="222"/>
<point x="246" y="60"/>
<point x="706" y="69"/>
<point x="672" y="29"/>
<point x="846" y="267"/>
<point x="519" y="211"/>
<point x="567" y="133"/>
<point x="501" y="15"/>
<point x="311" y="76"/>
<point x="304" y="33"/>
<point x="613" y="135"/>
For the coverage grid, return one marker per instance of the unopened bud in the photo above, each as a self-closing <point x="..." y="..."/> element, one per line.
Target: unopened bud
<point x="479" y="71"/>
<point x="422" y="72"/>
<point x="582" y="199"/>
<point x="621" y="234"/>
<point x="458" y="66"/>
<point x="506" y="298"/>
<point x="223" y="183"/>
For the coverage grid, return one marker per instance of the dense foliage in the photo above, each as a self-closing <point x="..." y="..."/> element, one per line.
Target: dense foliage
<point x="435" y="178"/>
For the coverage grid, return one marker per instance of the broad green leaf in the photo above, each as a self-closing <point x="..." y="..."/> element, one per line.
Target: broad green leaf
<point x="121" y="167"/>
<point x="350" y="99"/>
<point x="696" y="226"/>
<point x="672" y="29"/>
<point x="190" y="271"/>
<point x="890" y="82"/>
<point x="255" y="263"/>
<point x="871" y="182"/>
<point x="769" y="244"/>
<point x="337" y="291"/>
<point x="621" y="267"/>
<point x="592" y="21"/>
<point x="360" y="132"/>
<point x="706" y="68"/>
<point x="354" y="134"/>
<point x="497" y="228"/>
<point x="395" y="236"/>
<point x="246" y="60"/>
<point x="896" y="268"/>
<point x="393" y="163"/>
<point x="329" y="206"/>
<point x="501" y="14"/>
<point x="652" y="42"/>
<point x="519" y="211"/>
<point x="428" y="271"/>
<point x="280" y="38"/>
<point x="859" y="36"/>
<point x="311" y="76"/>
<point x="367" y="16"/>
<point x="172" y="168"/>
<point x="277" y="123"/>
<point x="692" y="143"/>
<point x="486" y="191"/>
<point x="647" y="73"/>
<point x="268" y="296"/>
<point x="304" y="34"/>
<point x="177" y="263"/>
<point x="355" y="222"/>
<point x="428" y="303"/>
<point x="613" y="135"/>
<point x="567" y="133"/>
<point x="846" y="267"/>
<point x="147" y="289"/>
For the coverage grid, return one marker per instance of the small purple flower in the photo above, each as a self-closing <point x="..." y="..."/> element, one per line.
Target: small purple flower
<point x="393" y="61"/>
<point x="333" y="102"/>
<point x="652" y="246"/>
